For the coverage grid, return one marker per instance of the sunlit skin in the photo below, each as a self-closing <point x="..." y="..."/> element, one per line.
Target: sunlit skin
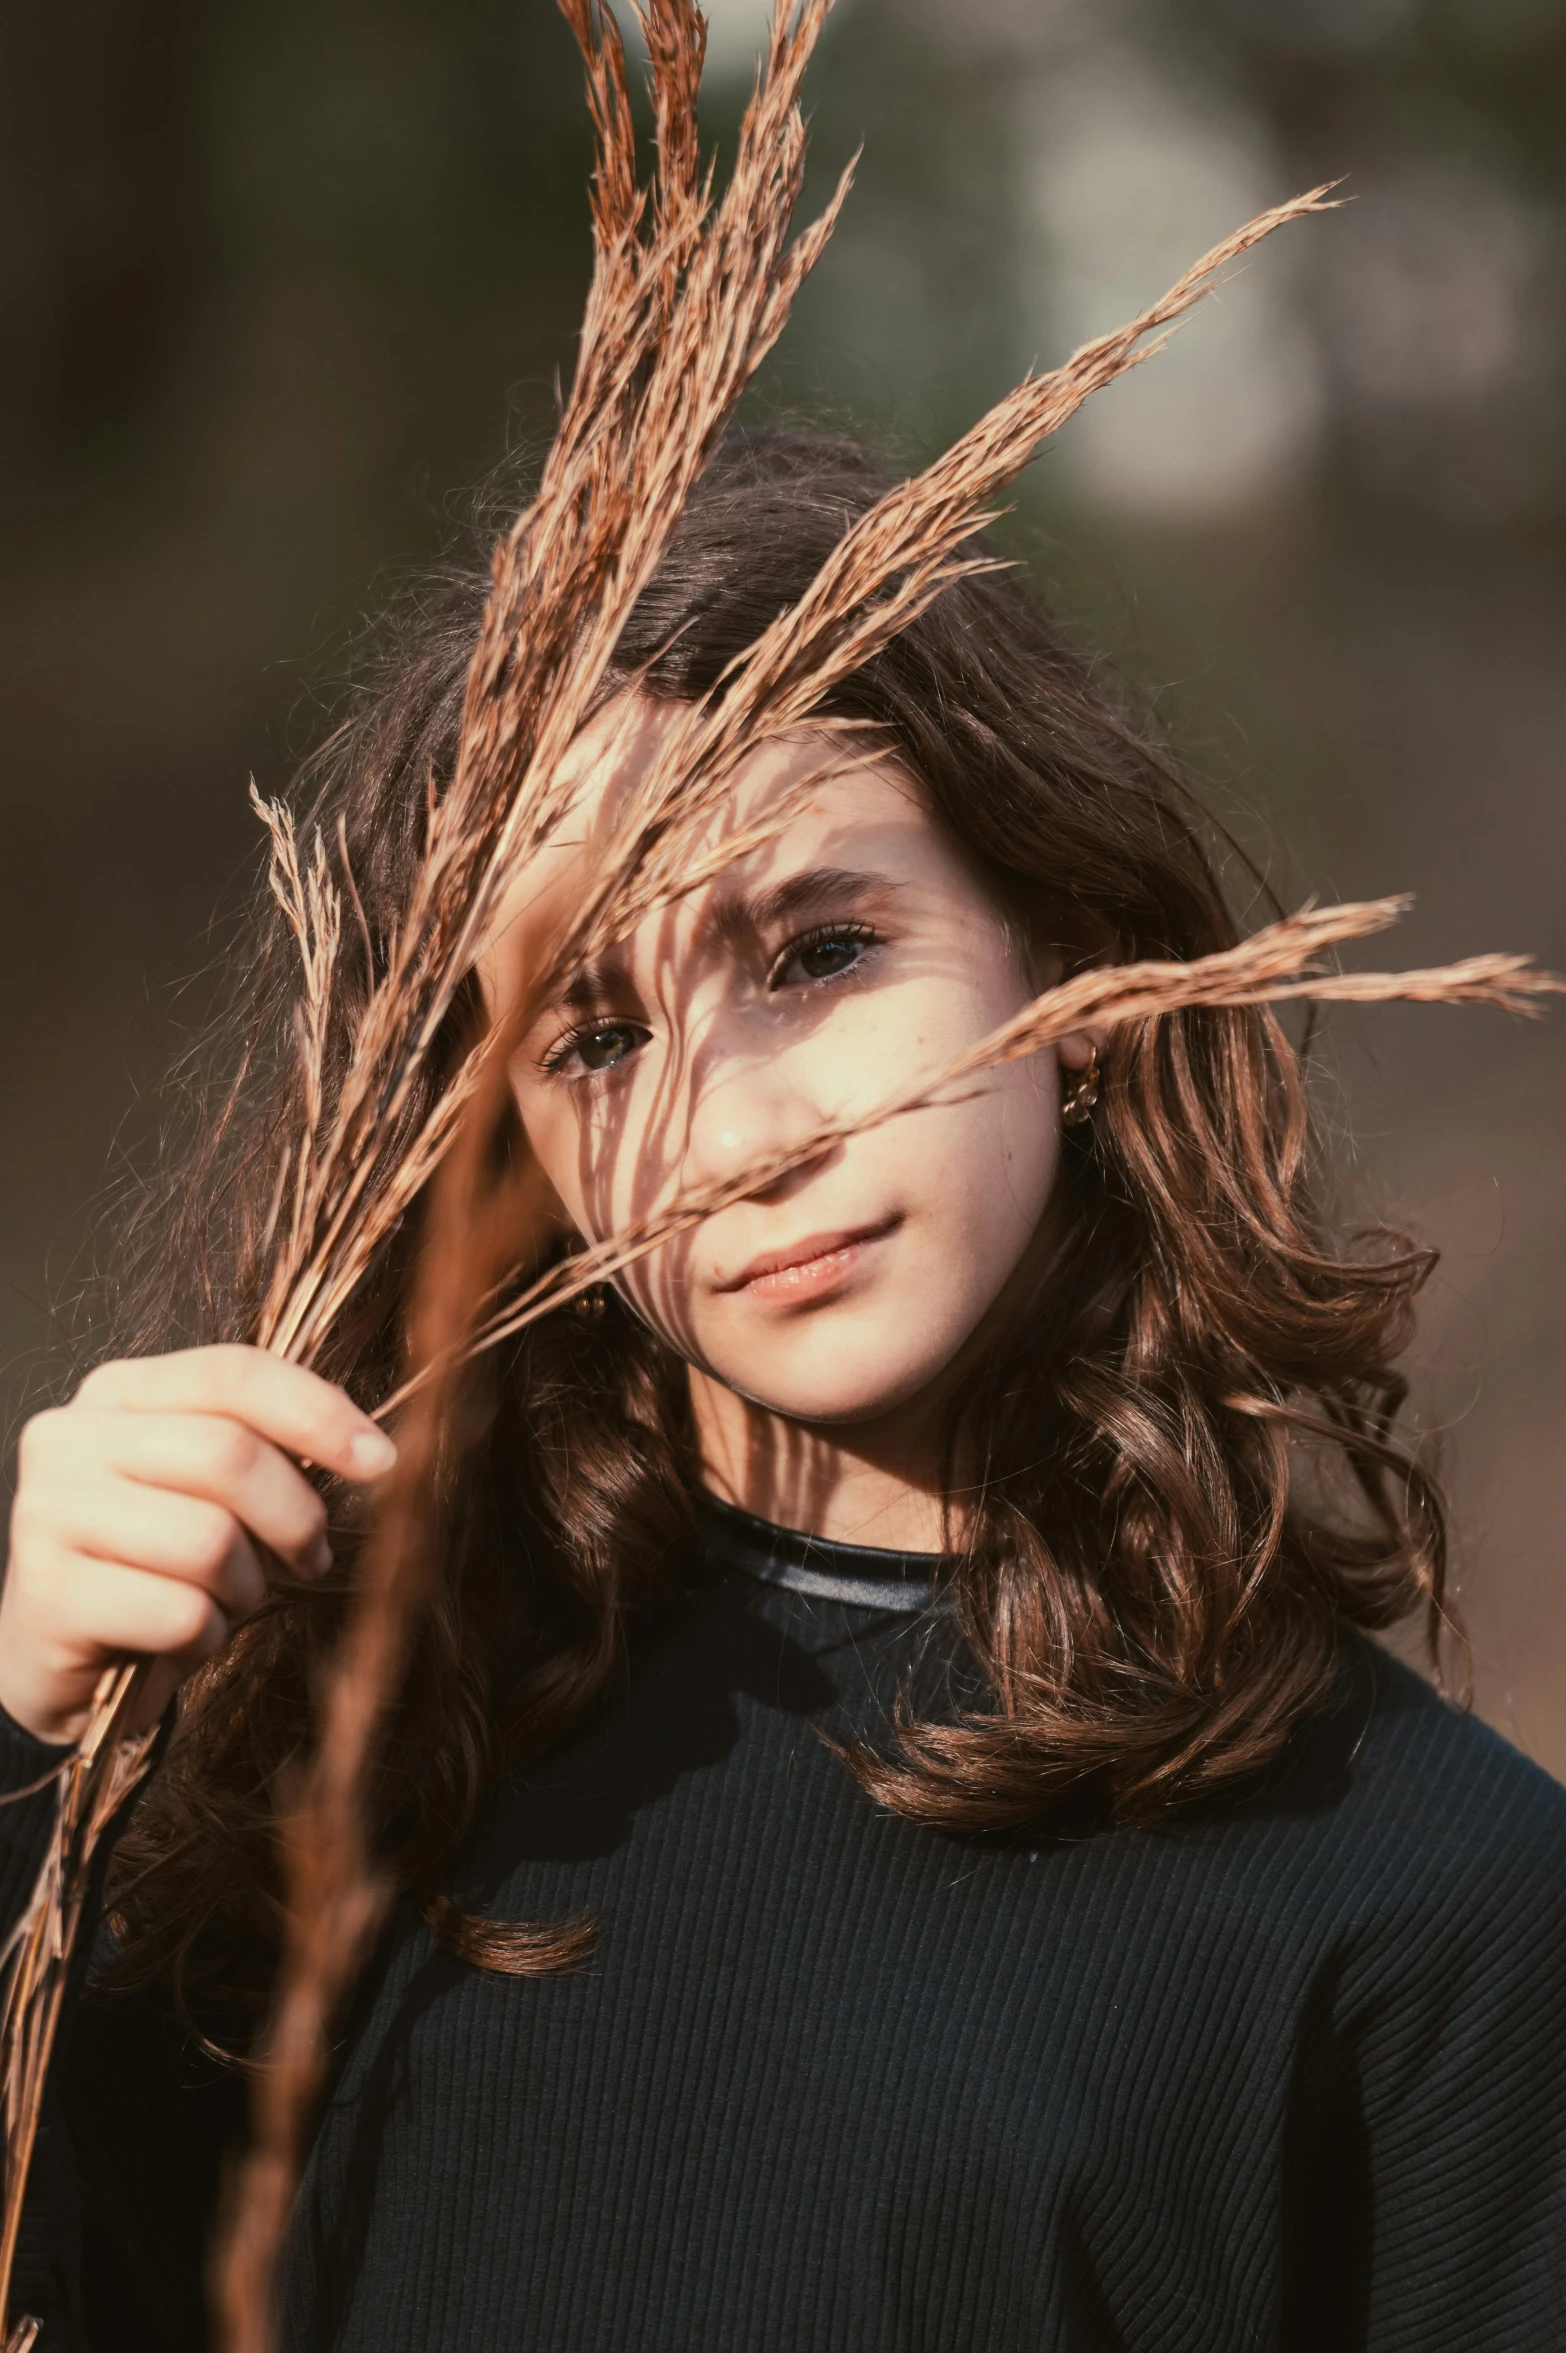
<point x="824" y="1322"/>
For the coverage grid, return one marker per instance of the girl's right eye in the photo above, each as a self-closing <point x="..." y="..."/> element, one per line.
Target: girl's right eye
<point x="596" y="1046"/>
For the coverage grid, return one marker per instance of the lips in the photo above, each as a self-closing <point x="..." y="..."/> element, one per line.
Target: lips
<point x="805" y="1268"/>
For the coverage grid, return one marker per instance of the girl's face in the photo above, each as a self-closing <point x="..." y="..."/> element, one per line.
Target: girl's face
<point x="853" y="953"/>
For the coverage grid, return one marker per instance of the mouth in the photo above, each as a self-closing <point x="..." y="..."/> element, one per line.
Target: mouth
<point x="809" y="1268"/>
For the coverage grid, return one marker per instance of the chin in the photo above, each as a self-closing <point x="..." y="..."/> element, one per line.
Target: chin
<point x="823" y="1376"/>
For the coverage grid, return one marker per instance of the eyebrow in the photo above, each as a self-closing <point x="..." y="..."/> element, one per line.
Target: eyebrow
<point x="818" y="890"/>
<point x="591" y="984"/>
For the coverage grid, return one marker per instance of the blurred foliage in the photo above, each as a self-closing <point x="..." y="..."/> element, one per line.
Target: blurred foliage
<point x="426" y="158"/>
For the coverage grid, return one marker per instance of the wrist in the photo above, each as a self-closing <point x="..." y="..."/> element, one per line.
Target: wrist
<point x="26" y="1757"/>
<point x="25" y="1713"/>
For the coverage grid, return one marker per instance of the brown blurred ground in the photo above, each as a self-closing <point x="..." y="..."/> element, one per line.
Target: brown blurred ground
<point x="277" y="282"/>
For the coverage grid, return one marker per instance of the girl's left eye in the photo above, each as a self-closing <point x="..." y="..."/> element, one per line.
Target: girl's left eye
<point x="823" y="954"/>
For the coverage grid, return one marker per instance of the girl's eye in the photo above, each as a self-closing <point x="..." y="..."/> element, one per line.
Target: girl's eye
<point x="600" y="1046"/>
<point x="821" y="955"/>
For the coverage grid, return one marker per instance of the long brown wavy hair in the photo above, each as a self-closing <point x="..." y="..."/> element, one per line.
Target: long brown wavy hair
<point x="1182" y="1486"/>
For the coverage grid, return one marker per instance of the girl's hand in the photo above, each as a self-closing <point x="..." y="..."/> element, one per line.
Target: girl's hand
<point x="139" y="1508"/>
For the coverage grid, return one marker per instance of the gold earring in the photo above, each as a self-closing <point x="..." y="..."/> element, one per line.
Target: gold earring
<point x="1079" y="1103"/>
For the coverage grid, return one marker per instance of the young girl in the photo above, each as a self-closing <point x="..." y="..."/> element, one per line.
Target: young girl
<point x="901" y="1670"/>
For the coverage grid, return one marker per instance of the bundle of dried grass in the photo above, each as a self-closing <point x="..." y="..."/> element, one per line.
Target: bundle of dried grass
<point x="688" y="294"/>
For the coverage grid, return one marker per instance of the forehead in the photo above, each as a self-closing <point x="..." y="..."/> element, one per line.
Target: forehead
<point x="853" y="783"/>
<point x="861" y="809"/>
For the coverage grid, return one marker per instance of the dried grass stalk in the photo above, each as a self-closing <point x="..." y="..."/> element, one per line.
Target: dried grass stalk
<point x="337" y="1894"/>
<point x="688" y="294"/>
<point x="1274" y="965"/>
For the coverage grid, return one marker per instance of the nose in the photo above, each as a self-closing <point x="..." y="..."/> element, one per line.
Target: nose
<point x="746" y="1108"/>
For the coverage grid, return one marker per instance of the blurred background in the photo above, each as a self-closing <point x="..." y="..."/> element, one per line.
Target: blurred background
<point x="279" y="282"/>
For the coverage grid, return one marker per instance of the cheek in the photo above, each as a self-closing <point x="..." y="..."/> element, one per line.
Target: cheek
<point x="555" y="1140"/>
<point x="1001" y="1143"/>
<point x="1027" y="1119"/>
<point x="595" y="1149"/>
<point x="991" y="1185"/>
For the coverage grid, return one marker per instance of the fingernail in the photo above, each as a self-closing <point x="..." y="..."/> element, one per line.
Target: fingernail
<point x="320" y="1559"/>
<point x="371" y="1454"/>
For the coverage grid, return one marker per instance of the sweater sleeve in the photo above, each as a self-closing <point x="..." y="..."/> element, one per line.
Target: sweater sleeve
<point x="28" y="1769"/>
<point x="27" y="1798"/>
<point x="130" y="2142"/>
<point x="1457" y="2152"/>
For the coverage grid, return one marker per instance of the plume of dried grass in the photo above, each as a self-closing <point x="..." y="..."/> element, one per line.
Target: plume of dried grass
<point x="688" y="294"/>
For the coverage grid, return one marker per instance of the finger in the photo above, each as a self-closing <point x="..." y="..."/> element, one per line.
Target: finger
<point x="223" y="1461"/>
<point x="295" y="1409"/>
<point x="181" y="1538"/>
<point x="107" y="1609"/>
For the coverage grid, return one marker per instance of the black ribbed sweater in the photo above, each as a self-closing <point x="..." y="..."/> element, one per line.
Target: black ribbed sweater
<point x="1291" y="2074"/>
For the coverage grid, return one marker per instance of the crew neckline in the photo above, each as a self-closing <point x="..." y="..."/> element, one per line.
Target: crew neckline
<point x="865" y="1576"/>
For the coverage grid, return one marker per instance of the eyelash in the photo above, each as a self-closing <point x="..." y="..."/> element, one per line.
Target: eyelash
<point x="861" y="935"/>
<point x="553" y="1063"/>
<point x="821" y="935"/>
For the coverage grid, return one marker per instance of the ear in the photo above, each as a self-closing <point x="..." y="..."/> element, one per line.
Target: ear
<point x="1078" y="941"/>
<point x="1077" y="1048"/>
